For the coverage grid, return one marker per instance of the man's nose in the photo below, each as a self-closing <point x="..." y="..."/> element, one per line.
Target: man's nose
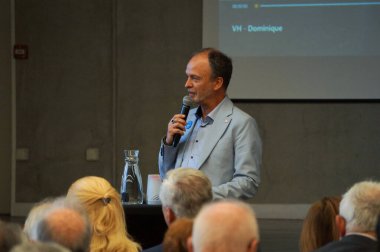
<point x="188" y="83"/>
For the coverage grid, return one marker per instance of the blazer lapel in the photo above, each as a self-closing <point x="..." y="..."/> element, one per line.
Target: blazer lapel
<point x="220" y="124"/>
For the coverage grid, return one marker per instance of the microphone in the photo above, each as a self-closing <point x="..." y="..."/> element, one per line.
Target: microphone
<point x="187" y="103"/>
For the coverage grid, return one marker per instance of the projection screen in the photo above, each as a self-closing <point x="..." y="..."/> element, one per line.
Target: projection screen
<point x="297" y="49"/>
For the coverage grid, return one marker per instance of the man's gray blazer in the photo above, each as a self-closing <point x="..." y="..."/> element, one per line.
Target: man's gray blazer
<point x="231" y="157"/>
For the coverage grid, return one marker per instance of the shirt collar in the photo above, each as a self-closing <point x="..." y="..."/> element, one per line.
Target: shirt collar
<point x="362" y="234"/>
<point x="203" y="123"/>
<point x="213" y="114"/>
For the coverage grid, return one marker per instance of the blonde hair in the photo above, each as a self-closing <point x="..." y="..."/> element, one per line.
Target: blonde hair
<point x="102" y="203"/>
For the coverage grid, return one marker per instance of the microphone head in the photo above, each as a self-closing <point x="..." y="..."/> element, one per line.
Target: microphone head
<point x="187" y="101"/>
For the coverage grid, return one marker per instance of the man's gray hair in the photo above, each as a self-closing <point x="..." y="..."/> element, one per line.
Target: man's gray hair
<point x="185" y="190"/>
<point x="64" y="222"/>
<point x="360" y="206"/>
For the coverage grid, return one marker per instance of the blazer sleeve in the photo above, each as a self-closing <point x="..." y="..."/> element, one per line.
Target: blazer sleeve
<point x="247" y="161"/>
<point x="166" y="158"/>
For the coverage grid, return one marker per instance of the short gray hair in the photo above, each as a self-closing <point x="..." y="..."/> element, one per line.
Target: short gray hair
<point x="185" y="190"/>
<point x="360" y="206"/>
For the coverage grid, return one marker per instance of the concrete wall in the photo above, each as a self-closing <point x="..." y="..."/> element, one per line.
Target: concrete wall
<point x="5" y="106"/>
<point x="110" y="74"/>
<point x="155" y="39"/>
<point x="313" y="149"/>
<point x="64" y="94"/>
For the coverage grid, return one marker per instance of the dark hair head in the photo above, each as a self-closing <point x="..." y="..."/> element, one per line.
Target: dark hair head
<point x="10" y="235"/>
<point x="319" y="226"/>
<point x="220" y="64"/>
<point x="176" y="236"/>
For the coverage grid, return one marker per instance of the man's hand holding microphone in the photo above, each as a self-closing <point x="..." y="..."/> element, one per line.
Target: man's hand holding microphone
<point x="177" y="125"/>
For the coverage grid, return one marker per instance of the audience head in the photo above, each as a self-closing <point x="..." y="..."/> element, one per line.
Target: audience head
<point x="225" y="226"/>
<point x="220" y="64"/>
<point x="39" y="247"/>
<point x="35" y="215"/>
<point x="319" y="225"/>
<point x="104" y="208"/>
<point x="183" y="192"/>
<point x="10" y="235"/>
<point x="378" y="233"/>
<point x="360" y="208"/>
<point x="175" y="239"/>
<point x="62" y="222"/>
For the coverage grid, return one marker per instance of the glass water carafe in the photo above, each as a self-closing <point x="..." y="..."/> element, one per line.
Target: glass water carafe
<point x="131" y="182"/>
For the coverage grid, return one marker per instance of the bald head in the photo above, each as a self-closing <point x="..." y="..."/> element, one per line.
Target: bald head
<point x="67" y="225"/>
<point x="65" y="233"/>
<point x="212" y="230"/>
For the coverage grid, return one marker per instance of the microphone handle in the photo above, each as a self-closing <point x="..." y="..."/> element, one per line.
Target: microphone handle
<point x="185" y="111"/>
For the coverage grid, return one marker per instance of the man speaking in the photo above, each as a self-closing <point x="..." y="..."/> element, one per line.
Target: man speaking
<point x="216" y="137"/>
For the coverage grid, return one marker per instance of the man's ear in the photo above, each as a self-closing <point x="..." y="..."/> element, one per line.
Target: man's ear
<point x="341" y="225"/>
<point x="189" y="243"/>
<point x="218" y="83"/>
<point x="252" y="247"/>
<point x="169" y="215"/>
